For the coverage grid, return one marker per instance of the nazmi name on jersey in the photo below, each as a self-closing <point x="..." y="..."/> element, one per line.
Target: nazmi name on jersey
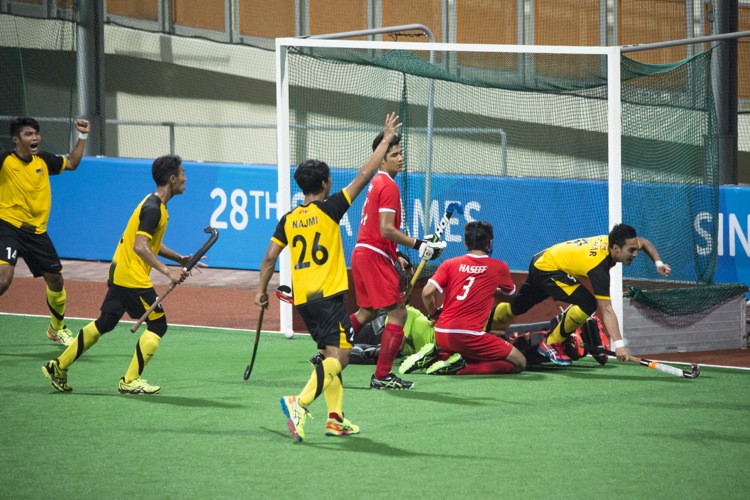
<point x="464" y="268"/>
<point x="310" y="221"/>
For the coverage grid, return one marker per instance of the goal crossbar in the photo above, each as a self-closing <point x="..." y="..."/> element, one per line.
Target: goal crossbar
<point x="614" y="181"/>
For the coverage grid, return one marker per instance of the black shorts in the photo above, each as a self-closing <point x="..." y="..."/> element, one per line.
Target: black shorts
<point x="134" y="301"/>
<point x="556" y="284"/>
<point x="327" y="320"/>
<point x="36" y="249"/>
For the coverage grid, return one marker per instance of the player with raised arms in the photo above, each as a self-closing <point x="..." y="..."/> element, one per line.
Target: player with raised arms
<point x="376" y="282"/>
<point x="25" y="201"/>
<point x="319" y="280"/>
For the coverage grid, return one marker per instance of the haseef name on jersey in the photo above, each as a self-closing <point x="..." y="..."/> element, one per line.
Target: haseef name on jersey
<point x="472" y="269"/>
<point x="310" y="221"/>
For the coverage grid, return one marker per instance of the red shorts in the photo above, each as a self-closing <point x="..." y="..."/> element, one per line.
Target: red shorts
<point x="376" y="282"/>
<point x="485" y="347"/>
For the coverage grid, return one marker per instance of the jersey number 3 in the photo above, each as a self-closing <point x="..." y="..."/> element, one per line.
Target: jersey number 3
<point x="466" y="288"/>
<point x="318" y="252"/>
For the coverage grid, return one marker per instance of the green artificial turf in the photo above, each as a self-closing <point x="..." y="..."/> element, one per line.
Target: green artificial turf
<point x="619" y="431"/>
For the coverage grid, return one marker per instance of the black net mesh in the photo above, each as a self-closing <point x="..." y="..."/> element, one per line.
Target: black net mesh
<point x="687" y="301"/>
<point x="532" y="130"/>
<point x="38" y="77"/>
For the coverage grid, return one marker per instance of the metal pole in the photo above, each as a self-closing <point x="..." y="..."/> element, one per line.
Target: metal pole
<point x="685" y="41"/>
<point x="90" y="72"/>
<point x="724" y="83"/>
<point x="377" y="31"/>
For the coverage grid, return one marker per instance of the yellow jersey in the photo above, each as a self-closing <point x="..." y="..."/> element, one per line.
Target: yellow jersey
<point x="25" y="193"/>
<point x="314" y="236"/>
<point x="150" y="219"/>
<point x="581" y="258"/>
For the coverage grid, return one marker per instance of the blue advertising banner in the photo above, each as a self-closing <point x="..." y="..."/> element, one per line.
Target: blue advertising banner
<point x="91" y="207"/>
<point x="733" y="243"/>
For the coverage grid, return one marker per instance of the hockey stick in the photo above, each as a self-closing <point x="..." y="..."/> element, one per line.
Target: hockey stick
<point x="190" y="265"/>
<point x="654" y="365"/>
<point x="284" y="294"/>
<point x="249" y="368"/>
<point x="439" y="230"/>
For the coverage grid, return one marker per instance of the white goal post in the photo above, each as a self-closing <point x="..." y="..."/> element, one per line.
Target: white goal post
<point x="614" y="190"/>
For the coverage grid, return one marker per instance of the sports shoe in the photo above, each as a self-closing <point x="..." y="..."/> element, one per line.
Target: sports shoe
<point x="57" y="376"/>
<point x="63" y="335"/>
<point x="295" y="416"/>
<point x="447" y="367"/>
<point x="343" y="428"/>
<point x="554" y="352"/>
<point x="137" y="386"/>
<point x="390" y="381"/>
<point x="419" y="360"/>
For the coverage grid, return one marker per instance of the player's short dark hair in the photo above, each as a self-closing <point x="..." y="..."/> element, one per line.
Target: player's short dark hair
<point x="22" y="121"/>
<point x="620" y="233"/>
<point x="396" y="140"/>
<point x="164" y="167"/>
<point x="310" y="176"/>
<point x="478" y="235"/>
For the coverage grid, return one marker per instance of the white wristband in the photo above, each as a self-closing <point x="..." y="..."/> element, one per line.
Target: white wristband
<point x="618" y="343"/>
<point x="658" y="263"/>
<point x="82" y="135"/>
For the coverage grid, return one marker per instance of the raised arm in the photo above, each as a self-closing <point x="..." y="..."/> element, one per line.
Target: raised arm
<point x="369" y="169"/>
<point x="650" y="250"/>
<point x="74" y="157"/>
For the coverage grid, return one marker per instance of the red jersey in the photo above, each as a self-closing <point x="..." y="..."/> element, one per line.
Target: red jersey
<point x="468" y="284"/>
<point x="383" y="195"/>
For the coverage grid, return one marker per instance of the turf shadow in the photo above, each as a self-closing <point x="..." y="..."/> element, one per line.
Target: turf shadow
<point x="701" y="436"/>
<point x="439" y="397"/>
<point x="164" y="399"/>
<point x="361" y="444"/>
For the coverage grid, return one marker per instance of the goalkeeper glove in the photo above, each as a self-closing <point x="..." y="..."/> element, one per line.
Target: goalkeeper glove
<point x="429" y="250"/>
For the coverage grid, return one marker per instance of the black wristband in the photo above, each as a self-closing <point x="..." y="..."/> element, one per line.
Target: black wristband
<point x="417" y="243"/>
<point x="402" y="255"/>
<point x="435" y="315"/>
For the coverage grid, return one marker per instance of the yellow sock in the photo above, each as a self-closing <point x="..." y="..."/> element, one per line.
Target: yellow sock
<point x="573" y="318"/>
<point x="502" y="315"/>
<point x="56" y="302"/>
<point x="144" y="350"/>
<point x="320" y="379"/>
<point x="334" y="394"/>
<point x="87" y="337"/>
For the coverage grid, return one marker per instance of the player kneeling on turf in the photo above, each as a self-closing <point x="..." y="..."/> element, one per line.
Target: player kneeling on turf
<point x="468" y="284"/>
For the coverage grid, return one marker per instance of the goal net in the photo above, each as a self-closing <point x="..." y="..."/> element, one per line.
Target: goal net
<point x="545" y="143"/>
